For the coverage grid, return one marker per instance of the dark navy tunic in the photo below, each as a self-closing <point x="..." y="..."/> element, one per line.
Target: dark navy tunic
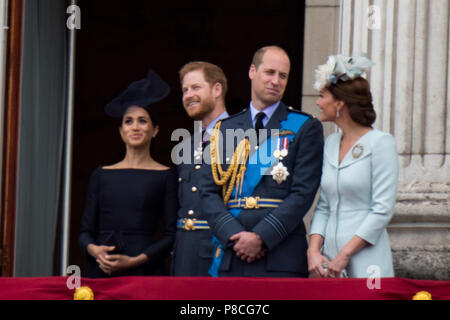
<point x="193" y="249"/>
<point x="281" y="229"/>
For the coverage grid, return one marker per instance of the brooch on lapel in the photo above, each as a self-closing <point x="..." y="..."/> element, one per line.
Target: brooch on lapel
<point x="279" y="173"/>
<point x="357" y="151"/>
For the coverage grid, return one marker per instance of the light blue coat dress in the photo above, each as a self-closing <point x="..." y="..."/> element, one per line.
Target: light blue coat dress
<point x="357" y="197"/>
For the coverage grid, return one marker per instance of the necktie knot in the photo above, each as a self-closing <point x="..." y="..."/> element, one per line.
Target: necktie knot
<point x="259" y="124"/>
<point x="259" y="120"/>
<point x="205" y="138"/>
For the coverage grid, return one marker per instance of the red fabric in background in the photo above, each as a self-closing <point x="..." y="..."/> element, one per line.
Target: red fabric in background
<point x="177" y="288"/>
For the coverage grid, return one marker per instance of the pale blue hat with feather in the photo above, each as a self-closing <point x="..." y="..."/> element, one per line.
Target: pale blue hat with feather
<point x="341" y="67"/>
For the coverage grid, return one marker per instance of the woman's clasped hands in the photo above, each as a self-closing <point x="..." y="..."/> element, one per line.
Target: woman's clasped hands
<point x="321" y="267"/>
<point x="112" y="263"/>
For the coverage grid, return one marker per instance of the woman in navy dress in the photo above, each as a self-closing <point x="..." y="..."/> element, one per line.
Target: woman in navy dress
<point x="126" y="201"/>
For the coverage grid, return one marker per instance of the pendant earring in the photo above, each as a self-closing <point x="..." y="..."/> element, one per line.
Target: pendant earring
<point x="337" y="114"/>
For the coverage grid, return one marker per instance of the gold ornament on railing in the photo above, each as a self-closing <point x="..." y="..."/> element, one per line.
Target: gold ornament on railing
<point x="422" y="295"/>
<point x="83" y="293"/>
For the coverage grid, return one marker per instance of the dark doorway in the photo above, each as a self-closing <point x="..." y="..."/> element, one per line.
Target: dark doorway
<point x="120" y="40"/>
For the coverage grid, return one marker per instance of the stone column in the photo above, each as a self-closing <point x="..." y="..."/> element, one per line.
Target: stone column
<point x="321" y="40"/>
<point x="409" y="42"/>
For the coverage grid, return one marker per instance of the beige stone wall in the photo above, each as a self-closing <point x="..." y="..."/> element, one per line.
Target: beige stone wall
<point x="321" y="40"/>
<point x="410" y="43"/>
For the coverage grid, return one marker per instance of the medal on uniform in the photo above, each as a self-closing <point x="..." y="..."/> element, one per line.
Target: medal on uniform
<point x="279" y="173"/>
<point x="277" y="152"/>
<point x="198" y="153"/>
<point x="284" y="147"/>
<point x="357" y="151"/>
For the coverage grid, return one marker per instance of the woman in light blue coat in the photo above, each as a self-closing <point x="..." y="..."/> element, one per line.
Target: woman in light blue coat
<point x="359" y="179"/>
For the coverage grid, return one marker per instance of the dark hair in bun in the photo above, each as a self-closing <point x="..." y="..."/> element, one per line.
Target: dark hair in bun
<point x="357" y="97"/>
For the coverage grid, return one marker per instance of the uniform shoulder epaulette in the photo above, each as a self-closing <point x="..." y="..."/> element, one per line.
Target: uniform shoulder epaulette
<point x="234" y="115"/>
<point x="292" y="109"/>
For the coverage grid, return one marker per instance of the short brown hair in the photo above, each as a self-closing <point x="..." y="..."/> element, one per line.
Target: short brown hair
<point x="259" y="54"/>
<point x="357" y="97"/>
<point x="213" y="74"/>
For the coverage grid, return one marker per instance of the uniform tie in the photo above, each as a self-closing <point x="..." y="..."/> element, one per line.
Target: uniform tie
<point x="259" y="124"/>
<point x="205" y="138"/>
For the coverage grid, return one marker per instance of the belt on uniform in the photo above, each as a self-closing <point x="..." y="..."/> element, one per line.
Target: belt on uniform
<point x="192" y="224"/>
<point x="254" y="203"/>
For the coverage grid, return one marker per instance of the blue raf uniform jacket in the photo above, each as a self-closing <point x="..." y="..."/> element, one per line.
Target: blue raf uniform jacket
<point x="193" y="248"/>
<point x="282" y="228"/>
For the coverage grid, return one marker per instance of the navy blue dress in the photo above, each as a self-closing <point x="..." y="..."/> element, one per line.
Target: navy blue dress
<point x="124" y="208"/>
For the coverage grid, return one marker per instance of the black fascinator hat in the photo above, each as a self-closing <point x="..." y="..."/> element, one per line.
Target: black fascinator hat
<point x="141" y="93"/>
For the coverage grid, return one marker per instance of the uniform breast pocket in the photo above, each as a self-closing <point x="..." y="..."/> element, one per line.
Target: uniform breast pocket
<point x="275" y="189"/>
